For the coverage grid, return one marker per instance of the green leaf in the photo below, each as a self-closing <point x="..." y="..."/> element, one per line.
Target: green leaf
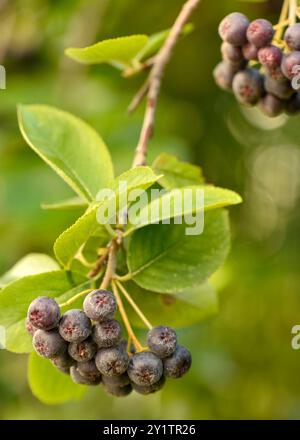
<point x="68" y="145"/>
<point x="176" y="173"/>
<point x="66" y="205"/>
<point x="16" y="297"/>
<point x="30" y="265"/>
<point x="162" y="258"/>
<point x="182" y="202"/>
<point x="49" y="385"/>
<point x="117" y="51"/>
<point x="184" y="309"/>
<point x="156" y="41"/>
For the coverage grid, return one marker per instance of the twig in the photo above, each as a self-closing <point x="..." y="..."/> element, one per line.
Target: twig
<point x="155" y="78"/>
<point x="139" y="96"/>
<point x="75" y="297"/>
<point x="293" y="12"/>
<point x="99" y="264"/>
<point x="134" y="306"/>
<point x="131" y="71"/>
<point x="283" y="17"/>
<point x="111" y="264"/>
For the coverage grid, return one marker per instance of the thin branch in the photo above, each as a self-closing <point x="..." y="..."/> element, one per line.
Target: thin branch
<point x="293" y="12"/>
<point x="111" y="264"/>
<point x="98" y="265"/>
<point x="155" y="78"/>
<point x="138" y="97"/>
<point x="75" y="297"/>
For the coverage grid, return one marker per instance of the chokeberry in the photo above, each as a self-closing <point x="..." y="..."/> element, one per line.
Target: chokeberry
<point x="281" y="89"/>
<point x="223" y="74"/>
<point x="89" y="370"/>
<point x="292" y="105"/>
<point x="44" y="313"/>
<point x="260" y="32"/>
<point x="49" y="344"/>
<point x="292" y="36"/>
<point x="112" y="361"/>
<point x="63" y="360"/>
<point x="117" y="391"/>
<point x="83" y="351"/>
<point x="116" y="381"/>
<point x="250" y="52"/>
<point x="290" y="64"/>
<point x="162" y="341"/>
<point x="233" y="28"/>
<point x="270" y="56"/>
<point x="81" y="380"/>
<point x="248" y="86"/>
<point x="231" y="53"/>
<point x="30" y="327"/>
<point x="107" y="333"/>
<point x="145" y="368"/>
<point x="271" y="105"/>
<point x="100" y="305"/>
<point x="178" y="363"/>
<point x="75" y="326"/>
<point x="150" y="389"/>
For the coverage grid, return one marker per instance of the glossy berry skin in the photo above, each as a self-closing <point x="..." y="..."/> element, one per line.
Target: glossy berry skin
<point x="107" y="333"/>
<point x="280" y="89"/>
<point x="144" y="389"/>
<point x="83" y="351"/>
<point x="48" y="344"/>
<point x="270" y="56"/>
<point x="292" y="106"/>
<point x="89" y="370"/>
<point x="81" y="380"/>
<point x="290" y="64"/>
<point x="223" y="74"/>
<point x="162" y="341"/>
<point x="292" y="36"/>
<point x="260" y="33"/>
<point x="248" y="86"/>
<point x="250" y="52"/>
<point x="116" y="381"/>
<point x="178" y="364"/>
<point x="145" y="368"/>
<point x="112" y="361"/>
<point x="75" y="326"/>
<point x="117" y="391"/>
<point x="44" y="313"/>
<point x="271" y="106"/>
<point x="233" y="28"/>
<point x="100" y="305"/>
<point x="231" y="53"/>
<point x="63" y="361"/>
<point x="31" y="329"/>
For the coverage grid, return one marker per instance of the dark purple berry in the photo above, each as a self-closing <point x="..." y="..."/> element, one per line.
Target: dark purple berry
<point x="250" y="52"/>
<point x="271" y="105"/>
<point x="248" y="86"/>
<point x="290" y="65"/>
<point x="116" y="381"/>
<point x="162" y="341"/>
<point x="49" y="344"/>
<point x="275" y="73"/>
<point x="150" y="389"/>
<point x="231" y="53"/>
<point x="292" y="36"/>
<point x="75" y="326"/>
<point x="64" y="370"/>
<point x="145" y="368"/>
<point x="270" y="56"/>
<point x="44" y="313"/>
<point x="117" y="391"/>
<point x="178" y="364"/>
<point x="280" y="89"/>
<point x="30" y="327"/>
<point x="260" y="32"/>
<point x="107" y="333"/>
<point x="63" y="360"/>
<point x="81" y="380"/>
<point x="233" y="29"/>
<point x="100" y="305"/>
<point x="112" y="361"/>
<point x="292" y="106"/>
<point x="223" y="74"/>
<point x="83" y="351"/>
<point x="89" y="370"/>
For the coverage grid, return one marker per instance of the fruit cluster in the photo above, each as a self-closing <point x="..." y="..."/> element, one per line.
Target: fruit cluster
<point x="88" y="345"/>
<point x="257" y="71"/>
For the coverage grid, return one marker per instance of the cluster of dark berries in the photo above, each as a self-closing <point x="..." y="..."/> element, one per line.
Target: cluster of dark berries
<point x="273" y="86"/>
<point x="88" y="345"/>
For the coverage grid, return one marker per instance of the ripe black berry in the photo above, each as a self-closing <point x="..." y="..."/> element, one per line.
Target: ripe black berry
<point x="100" y="305"/>
<point x="81" y="380"/>
<point x="83" y="351"/>
<point x="281" y="89"/>
<point x="162" y="341"/>
<point x="248" y="86"/>
<point x="271" y="105"/>
<point x="89" y="370"/>
<point x="233" y="29"/>
<point x="223" y="74"/>
<point x="112" y="361"/>
<point x="49" y="344"/>
<point x="44" y="313"/>
<point x="145" y="368"/>
<point x="250" y="52"/>
<point x="292" y="36"/>
<point x="290" y="64"/>
<point x="231" y="53"/>
<point x="150" y="389"/>
<point x="107" y="333"/>
<point x="178" y="364"/>
<point x="118" y="391"/>
<point x="116" y="381"/>
<point x="75" y="326"/>
<point x="63" y="360"/>
<point x="260" y="32"/>
<point x="270" y="56"/>
<point x="30" y="327"/>
<point x="292" y="106"/>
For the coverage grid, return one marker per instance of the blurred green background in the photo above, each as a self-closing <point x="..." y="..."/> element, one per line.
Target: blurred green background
<point x="244" y="366"/>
